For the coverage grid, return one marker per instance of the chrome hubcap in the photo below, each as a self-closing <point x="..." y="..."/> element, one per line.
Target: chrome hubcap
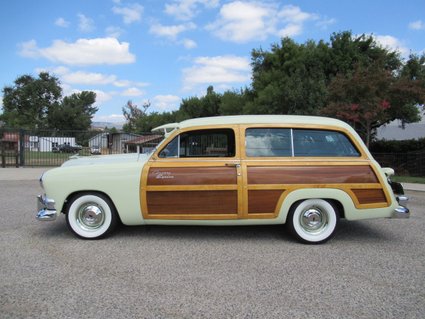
<point x="90" y="216"/>
<point x="313" y="220"/>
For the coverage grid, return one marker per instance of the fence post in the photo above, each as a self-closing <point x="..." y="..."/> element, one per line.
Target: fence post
<point x="21" y="147"/>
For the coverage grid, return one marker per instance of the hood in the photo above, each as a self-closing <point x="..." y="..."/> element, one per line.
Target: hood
<point x="105" y="159"/>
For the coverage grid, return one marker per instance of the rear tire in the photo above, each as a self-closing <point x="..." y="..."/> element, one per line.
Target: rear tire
<point x="313" y="221"/>
<point x="91" y="216"/>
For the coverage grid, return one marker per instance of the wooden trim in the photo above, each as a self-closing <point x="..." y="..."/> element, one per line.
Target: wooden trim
<point x="313" y="174"/>
<point x="263" y="201"/>
<point x="196" y="203"/>
<point x="369" y="196"/>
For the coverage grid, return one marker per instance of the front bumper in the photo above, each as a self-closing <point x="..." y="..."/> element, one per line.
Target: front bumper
<point x="401" y="211"/>
<point x="46" y="208"/>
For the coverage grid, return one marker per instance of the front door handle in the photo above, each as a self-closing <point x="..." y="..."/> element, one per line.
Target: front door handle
<point x="233" y="165"/>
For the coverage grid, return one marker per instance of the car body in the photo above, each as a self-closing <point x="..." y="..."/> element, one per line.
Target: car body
<point x="305" y="172"/>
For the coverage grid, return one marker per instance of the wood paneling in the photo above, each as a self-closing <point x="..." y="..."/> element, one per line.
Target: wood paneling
<point x="192" y="202"/>
<point x="369" y="196"/>
<point x="263" y="201"/>
<point x="311" y="174"/>
<point x="192" y="176"/>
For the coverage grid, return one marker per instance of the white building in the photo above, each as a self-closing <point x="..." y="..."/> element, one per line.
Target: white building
<point x="46" y="144"/>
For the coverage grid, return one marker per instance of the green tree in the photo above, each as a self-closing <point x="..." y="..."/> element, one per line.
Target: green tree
<point x="208" y="105"/>
<point x="133" y="115"/>
<point x="75" y="112"/>
<point x="27" y="102"/>
<point x="289" y="79"/>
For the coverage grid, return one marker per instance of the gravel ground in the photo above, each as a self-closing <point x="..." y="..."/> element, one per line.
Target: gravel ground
<point x="371" y="269"/>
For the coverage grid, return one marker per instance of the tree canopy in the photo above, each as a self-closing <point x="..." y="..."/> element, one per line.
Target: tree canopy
<point x="350" y="77"/>
<point x="37" y="103"/>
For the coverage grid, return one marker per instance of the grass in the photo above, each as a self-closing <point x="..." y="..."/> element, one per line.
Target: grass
<point x="408" y="179"/>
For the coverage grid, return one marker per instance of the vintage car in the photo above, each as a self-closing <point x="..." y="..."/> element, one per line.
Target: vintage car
<point x="305" y="172"/>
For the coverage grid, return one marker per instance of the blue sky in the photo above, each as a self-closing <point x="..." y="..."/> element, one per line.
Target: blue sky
<point x="163" y="51"/>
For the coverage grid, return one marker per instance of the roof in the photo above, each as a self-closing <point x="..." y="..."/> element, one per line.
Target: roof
<point x="263" y="119"/>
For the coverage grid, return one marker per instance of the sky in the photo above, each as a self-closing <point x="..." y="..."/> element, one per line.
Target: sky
<point x="166" y="51"/>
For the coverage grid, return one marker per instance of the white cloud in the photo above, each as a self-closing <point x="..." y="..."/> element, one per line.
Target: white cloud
<point x="85" y="24"/>
<point x="102" y="97"/>
<point x="170" y="31"/>
<point x="130" y="14"/>
<point x="242" y="22"/>
<point x="114" y="118"/>
<point x="417" y="25"/>
<point x="189" y="44"/>
<point x="82" y="52"/>
<point x="392" y="43"/>
<point x="114" y="32"/>
<point x="166" y="102"/>
<point x="188" y="9"/>
<point x="133" y="91"/>
<point x="61" y="22"/>
<point x="86" y="78"/>
<point x="68" y="77"/>
<point x="219" y="70"/>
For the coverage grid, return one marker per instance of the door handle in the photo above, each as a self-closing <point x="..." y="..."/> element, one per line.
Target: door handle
<point x="237" y="165"/>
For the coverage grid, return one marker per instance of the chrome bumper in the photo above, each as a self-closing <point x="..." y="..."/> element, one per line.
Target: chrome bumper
<point x="401" y="211"/>
<point x="46" y="208"/>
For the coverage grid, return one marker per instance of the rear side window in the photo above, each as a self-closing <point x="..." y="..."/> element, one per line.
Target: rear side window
<point x="268" y="142"/>
<point x="322" y="143"/>
<point x="282" y="142"/>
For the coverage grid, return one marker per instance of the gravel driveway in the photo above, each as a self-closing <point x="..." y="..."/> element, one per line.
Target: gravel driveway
<point x="371" y="269"/>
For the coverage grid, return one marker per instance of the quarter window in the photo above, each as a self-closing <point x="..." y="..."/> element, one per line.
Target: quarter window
<point x="201" y="143"/>
<point x="322" y="143"/>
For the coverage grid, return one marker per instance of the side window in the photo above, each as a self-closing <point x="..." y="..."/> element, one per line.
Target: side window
<point x="268" y="142"/>
<point x="322" y="143"/>
<point x="201" y="143"/>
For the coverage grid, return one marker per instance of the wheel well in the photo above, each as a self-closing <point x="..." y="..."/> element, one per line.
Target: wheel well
<point x="86" y="192"/>
<point x="337" y="204"/>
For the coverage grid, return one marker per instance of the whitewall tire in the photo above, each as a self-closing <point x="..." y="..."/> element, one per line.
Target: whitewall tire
<point x="91" y="215"/>
<point x="313" y="221"/>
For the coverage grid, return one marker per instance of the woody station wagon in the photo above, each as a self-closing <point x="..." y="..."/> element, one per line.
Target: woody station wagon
<point x="305" y="172"/>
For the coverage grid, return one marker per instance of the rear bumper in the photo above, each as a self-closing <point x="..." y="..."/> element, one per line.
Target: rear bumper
<point x="46" y="208"/>
<point x="401" y="211"/>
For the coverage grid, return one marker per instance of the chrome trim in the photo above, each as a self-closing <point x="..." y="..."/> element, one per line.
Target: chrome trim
<point x="46" y="209"/>
<point x="401" y="211"/>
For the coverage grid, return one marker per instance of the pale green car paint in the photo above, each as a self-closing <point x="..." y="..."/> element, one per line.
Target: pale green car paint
<point x="119" y="177"/>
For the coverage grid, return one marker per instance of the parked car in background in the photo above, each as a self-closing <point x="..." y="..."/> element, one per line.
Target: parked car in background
<point x="305" y="172"/>
<point x="95" y="150"/>
<point x="66" y="148"/>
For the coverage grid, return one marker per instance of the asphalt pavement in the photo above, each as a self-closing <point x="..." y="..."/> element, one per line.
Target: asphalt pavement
<point x="370" y="269"/>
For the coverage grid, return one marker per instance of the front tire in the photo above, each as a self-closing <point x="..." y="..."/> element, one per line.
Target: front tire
<point x="313" y="221"/>
<point x="91" y="216"/>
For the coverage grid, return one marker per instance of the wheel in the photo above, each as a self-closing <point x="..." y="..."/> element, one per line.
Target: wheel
<point x="91" y="216"/>
<point x="313" y="221"/>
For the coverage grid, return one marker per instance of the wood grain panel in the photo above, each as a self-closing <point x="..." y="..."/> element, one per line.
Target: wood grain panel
<point x="192" y="202"/>
<point x="263" y="201"/>
<point x="192" y="176"/>
<point x="311" y="174"/>
<point x="370" y="196"/>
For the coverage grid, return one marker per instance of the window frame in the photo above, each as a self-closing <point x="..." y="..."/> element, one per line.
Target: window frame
<point x="232" y="133"/>
<point x="352" y="141"/>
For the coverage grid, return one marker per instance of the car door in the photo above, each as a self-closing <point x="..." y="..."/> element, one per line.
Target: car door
<point x="197" y="175"/>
